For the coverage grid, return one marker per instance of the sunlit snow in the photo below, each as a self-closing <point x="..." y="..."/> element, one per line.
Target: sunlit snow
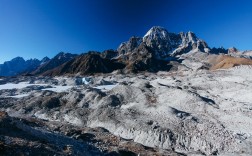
<point x="19" y="96"/>
<point x="58" y="89"/>
<point x="18" y="85"/>
<point x="105" y="87"/>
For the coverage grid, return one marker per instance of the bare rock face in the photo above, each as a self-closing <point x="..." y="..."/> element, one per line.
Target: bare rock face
<point x="159" y="40"/>
<point x="143" y="59"/>
<point x="220" y="50"/>
<point x="129" y="46"/>
<point x="109" y="54"/>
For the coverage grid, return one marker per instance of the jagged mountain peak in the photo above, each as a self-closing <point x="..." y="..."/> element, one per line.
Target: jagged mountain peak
<point x="18" y="59"/>
<point x="165" y="44"/>
<point x="18" y="65"/>
<point x="157" y="29"/>
<point x="63" y="55"/>
<point x="130" y="45"/>
<point x="233" y="50"/>
<point x="192" y="37"/>
<point x="156" y="32"/>
<point x="45" y="59"/>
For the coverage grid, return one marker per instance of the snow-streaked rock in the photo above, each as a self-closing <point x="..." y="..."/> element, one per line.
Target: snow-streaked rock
<point x="164" y="44"/>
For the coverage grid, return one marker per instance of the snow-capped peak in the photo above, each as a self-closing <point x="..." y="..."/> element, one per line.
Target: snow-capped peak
<point x="165" y="44"/>
<point x="156" y="32"/>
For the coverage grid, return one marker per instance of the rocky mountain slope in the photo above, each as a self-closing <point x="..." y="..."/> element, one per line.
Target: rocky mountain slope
<point x="56" y="61"/>
<point x="89" y="63"/>
<point x="224" y="62"/>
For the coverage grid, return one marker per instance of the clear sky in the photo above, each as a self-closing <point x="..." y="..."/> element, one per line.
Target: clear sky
<point x="38" y="28"/>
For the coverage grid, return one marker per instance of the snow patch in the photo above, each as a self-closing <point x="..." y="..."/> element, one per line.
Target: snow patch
<point x="105" y="87"/>
<point x="58" y="89"/>
<point x="72" y="120"/>
<point x="41" y="115"/>
<point x="19" y="96"/>
<point x="18" y="85"/>
<point x="26" y="84"/>
<point x="86" y="80"/>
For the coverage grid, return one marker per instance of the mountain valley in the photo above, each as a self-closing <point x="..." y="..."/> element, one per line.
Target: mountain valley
<point x="160" y="94"/>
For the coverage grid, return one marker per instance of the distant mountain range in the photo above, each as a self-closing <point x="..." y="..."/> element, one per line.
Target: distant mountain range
<point x="18" y="65"/>
<point x="153" y="52"/>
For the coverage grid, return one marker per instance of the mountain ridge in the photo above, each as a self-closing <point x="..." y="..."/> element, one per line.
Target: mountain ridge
<point x="152" y="52"/>
<point x="18" y="66"/>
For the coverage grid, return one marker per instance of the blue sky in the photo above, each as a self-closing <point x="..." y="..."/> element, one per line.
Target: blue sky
<point x="38" y="28"/>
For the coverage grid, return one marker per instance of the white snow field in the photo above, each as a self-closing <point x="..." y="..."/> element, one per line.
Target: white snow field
<point x="58" y="89"/>
<point x="17" y="86"/>
<point x="105" y="87"/>
<point x="68" y="83"/>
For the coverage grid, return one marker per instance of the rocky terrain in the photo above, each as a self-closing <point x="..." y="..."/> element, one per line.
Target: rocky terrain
<point x="160" y="94"/>
<point x="167" y="113"/>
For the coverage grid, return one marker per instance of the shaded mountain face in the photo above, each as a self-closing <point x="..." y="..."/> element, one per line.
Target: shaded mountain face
<point x="129" y="46"/>
<point x="165" y="44"/>
<point x="44" y="60"/>
<point x="143" y="58"/>
<point x="17" y="66"/>
<point x="220" y="50"/>
<point x="56" y="61"/>
<point x="88" y="63"/>
<point x="109" y="54"/>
